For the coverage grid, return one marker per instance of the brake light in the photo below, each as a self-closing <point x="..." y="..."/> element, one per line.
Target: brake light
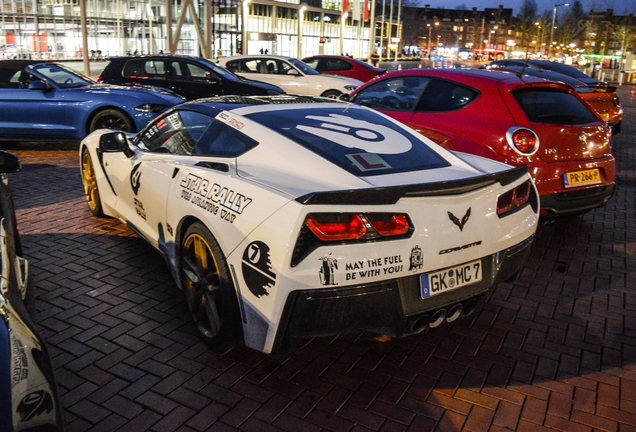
<point x="336" y="227"/>
<point x="100" y="80"/>
<point x="389" y="225"/>
<point x="353" y="226"/>
<point x="524" y="141"/>
<point x="514" y="199"/>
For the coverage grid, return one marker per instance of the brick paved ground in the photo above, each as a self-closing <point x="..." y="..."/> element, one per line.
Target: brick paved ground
<point x="556" y="350"/>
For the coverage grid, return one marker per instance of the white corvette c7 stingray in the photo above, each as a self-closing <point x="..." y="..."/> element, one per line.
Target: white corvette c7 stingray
<point x="285" y="216"/>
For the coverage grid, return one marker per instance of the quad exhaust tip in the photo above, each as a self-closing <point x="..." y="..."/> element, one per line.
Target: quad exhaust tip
<point x="438" y="318"/>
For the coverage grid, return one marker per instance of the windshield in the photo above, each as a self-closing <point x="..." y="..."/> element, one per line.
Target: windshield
<point x="304" y="67"/>
<point x="62" y="76"/>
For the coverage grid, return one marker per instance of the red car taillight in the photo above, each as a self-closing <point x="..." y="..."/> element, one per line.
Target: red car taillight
<point x="514" y="199"/>
<point x="100" y="80"/>
<point x="524" y="141"/>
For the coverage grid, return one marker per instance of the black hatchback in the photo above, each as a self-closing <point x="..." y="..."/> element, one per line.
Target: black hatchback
<point x="191" y="77"/>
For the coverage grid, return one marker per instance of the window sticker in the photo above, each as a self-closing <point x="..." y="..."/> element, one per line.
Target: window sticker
<point x="368" y="161"/>
<point x="360" y="134"/>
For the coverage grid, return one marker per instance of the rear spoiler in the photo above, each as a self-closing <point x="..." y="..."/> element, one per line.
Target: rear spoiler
<point x="391" y="195"/>
<point x="604" y="89"/>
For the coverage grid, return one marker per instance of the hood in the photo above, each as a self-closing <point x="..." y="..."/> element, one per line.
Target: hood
<point x="262" y="85"/>
<point x="137" y="91"/>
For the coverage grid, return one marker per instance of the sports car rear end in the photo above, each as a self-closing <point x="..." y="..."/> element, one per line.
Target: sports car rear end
<point x="283" y="217"/>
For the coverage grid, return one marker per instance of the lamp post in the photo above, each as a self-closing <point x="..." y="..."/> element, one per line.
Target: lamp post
<point x="430" y="28"/>
<point x="552" y="28"/>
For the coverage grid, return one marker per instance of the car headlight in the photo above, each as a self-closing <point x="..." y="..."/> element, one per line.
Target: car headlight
<point x="150" y="108"/>
<point x="351" y="87"/>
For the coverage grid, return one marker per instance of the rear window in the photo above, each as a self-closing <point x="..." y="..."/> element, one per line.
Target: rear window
<point x="359" y="141"/>
<point x="553" y="107"/>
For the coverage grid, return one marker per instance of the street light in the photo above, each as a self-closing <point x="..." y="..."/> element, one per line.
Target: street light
<point x="552" y="29"/>
<point x="430" y="28"/>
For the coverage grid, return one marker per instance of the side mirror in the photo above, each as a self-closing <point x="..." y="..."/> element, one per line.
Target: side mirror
<point x="9" y="163"/>
<point x="293" y="72"/>
<point x="344" y="97"/>
<point x="38" y="85"/>
<point x="113" y="142"/>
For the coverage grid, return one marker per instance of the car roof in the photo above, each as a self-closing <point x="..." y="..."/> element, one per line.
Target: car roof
<point x="458" y="74"/>
<point x="213" y="105"/>
<point x="19" y="64"/>
<point x="266" y="56"/>
<point x="161" y="56"/>
<point x="545" y="74"/>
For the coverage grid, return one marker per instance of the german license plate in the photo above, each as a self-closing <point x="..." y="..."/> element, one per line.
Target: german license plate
<point x="581" y="178"/>
<point x="450" y="279"/>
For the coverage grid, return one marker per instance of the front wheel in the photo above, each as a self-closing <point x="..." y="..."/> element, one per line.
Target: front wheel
<point x="89" y="179"/>
<point x="208" y="287"/>
<point x="111" y="119"/>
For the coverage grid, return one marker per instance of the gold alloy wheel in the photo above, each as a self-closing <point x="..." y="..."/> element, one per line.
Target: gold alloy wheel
<point x="201" y="284"/>
<point x="90" y="184"/>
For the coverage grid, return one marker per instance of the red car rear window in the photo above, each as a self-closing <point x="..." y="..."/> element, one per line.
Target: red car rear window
<point x="553" y="107"/>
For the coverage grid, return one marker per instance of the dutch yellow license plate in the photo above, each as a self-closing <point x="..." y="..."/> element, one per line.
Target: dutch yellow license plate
<point x="582" y="178"/>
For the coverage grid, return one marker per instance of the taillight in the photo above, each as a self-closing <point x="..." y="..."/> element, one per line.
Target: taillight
<point x="514" y="199"/>
<point x="336" y="227"/>
<point x="100" y="80"/>
<point x="388" y="225"/>
<point x="321" y="228"/>
<point x="524" y="141"/>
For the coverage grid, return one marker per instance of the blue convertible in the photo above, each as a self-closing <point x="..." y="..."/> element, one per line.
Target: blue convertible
<point x="42" y="100"/>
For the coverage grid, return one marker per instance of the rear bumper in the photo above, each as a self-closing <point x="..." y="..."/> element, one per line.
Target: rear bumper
<point x="576" y="201"/>
<point x="395" y="307"/>
<point x="556" y="200"/>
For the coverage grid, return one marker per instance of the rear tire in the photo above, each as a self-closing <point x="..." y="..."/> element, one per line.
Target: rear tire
<point x="89" y="179"/>
<point x="111" y="118"/>
<point x="208" y="288"/>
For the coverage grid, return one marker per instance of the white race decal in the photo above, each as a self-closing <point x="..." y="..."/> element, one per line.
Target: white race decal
<point x="352" y="133"/>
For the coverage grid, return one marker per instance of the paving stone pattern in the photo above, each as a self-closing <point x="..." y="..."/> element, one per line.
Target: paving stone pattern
<point x="555" y="350"/>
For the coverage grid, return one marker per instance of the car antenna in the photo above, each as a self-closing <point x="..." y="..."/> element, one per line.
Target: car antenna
<point x="525" y="64"/>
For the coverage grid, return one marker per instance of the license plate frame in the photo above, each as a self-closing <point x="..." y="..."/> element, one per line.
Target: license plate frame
<point x="447" y="279"/>
<point x="582" y="178"/>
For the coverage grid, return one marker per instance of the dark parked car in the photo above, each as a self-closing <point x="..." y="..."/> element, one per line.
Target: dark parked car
<point x="343" y="66"/>
<point x="45" y="100"/>
<point x="28" y="393"/>
<point x="549" y="65"/>
<point x="191" y="77"/>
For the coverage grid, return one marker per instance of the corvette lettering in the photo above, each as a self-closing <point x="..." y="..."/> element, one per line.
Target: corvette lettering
<point x="458" y="248"/>
<point x="215" y="194"/>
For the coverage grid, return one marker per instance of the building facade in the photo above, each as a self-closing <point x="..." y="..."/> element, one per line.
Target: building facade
<point x="52" y="28"/>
